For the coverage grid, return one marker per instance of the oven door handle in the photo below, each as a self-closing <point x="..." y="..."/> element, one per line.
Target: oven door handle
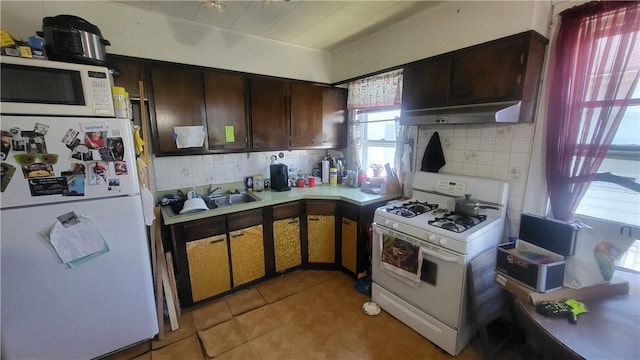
<point x="453" y="259"/>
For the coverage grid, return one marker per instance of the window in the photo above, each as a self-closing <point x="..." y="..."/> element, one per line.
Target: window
<point x="377" y="136"/>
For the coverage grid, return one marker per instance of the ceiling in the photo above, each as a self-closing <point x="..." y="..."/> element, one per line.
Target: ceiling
<point x="323" y="25"/>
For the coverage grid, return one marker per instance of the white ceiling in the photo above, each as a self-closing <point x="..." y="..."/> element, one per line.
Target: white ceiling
<point x="324" y="25"/>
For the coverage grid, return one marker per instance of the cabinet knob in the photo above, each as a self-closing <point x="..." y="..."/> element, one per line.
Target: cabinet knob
<point x="237" y="235"/>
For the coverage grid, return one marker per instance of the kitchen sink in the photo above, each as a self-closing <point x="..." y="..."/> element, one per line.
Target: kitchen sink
<point x="219" y="201"/>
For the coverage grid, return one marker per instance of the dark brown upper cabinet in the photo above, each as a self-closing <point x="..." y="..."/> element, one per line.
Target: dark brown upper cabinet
<point x="126" y="74"/>
<point x="179" y="101"/>
<point x="306" y="115"/>
<point x="334" y="117"/>
<point x="269" y="113"/>
<point x="506" y="69"/>
<point x="226" y="111"/>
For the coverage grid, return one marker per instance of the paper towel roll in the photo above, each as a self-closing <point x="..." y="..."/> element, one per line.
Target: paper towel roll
<point x="325" y="171"/>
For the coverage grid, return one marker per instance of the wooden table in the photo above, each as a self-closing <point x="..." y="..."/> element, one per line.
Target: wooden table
<point x="611" y="329"/>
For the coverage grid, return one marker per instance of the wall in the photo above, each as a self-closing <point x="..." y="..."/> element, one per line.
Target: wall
<point x="446" y="27"/>
<point x="173" y="172"/>
<point x="140" y="33"/>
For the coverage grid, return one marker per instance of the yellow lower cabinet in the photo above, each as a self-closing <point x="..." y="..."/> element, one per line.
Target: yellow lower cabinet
<point x="208" y="267"/>
<point x="321" y="235"/>
<point x="286" y="243"/>
<point x="247" y="254"/>
<point x="349" y="241"/>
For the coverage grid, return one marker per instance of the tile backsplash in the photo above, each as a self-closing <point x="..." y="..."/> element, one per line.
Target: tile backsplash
<point x="174" y="172"/>
<point x="496" y="151"/>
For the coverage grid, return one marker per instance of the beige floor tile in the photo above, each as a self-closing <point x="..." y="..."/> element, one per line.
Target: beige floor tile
<point x="221" y="338"/>
<point x="277" y="344"/>
<point x="244" y="301"/>
<point x="286" y="285"/>
<point x="211" y="314"/>
<point x="188" y="348"/>
<point x="185" y="329"/>
<point x="258" y="322"/>
<point x="242" y="352"/>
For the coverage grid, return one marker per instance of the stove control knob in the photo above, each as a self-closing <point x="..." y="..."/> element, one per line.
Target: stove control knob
<point x="395" y="226"/>
<point x="442" y="241"/>
<point x="387" y="222"/>
<point x="432" y="238"/>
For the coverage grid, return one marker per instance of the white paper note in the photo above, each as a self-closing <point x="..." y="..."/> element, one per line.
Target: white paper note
<point x="189" y="136"/>
<point x="73" y="241"/>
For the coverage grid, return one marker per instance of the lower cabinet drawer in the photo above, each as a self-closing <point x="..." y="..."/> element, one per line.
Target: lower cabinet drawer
<point x="321" y="237"/>
<point x="247" y="254"/>
<point x="286" y="243"/>
<point x="208" y="267"/>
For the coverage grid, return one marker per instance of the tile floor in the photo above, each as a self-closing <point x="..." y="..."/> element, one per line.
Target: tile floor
<point x="301" y="315"/>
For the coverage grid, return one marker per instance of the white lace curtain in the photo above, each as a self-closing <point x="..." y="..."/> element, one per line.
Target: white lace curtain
<point x="378" y="91"/>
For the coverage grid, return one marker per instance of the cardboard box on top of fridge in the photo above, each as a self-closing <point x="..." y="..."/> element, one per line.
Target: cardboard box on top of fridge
<point x="538" y="268"/>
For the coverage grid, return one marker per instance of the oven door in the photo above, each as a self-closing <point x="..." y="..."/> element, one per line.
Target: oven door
<point x="436" y="287"/>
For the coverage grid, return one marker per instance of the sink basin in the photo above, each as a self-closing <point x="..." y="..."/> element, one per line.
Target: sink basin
<point x="219" y="201"/>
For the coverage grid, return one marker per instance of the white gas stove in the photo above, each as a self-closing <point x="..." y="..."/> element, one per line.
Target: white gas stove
<point x="421" y="248"/>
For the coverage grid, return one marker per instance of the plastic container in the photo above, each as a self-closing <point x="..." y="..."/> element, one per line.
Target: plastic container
<point x="119" y="102"/>
<point x="333" y="176"/>
<point x="127" y="101"/>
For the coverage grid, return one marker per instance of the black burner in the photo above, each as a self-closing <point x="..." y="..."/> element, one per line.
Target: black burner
<point x="457" y="223"/>
<point x="411" y="208"/>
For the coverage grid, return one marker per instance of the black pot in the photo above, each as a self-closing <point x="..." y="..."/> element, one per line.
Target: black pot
<point x="73" y="39"/>
<point x="471" y="207"/>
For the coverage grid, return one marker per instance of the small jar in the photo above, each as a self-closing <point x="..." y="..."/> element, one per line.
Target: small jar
<point x="119" y="102"/>
<point x="333" y="176"/>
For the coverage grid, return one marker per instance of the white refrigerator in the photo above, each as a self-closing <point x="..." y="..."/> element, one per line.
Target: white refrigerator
<point x="76" y="278"/>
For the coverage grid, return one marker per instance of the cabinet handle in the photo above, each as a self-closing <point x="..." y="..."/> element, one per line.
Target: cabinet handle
<point x="293" y="222"/>
<point x="314" y="219"/>
<point x="519" y="79"/>
<point x="346" y="222"/>
<point x="237" y="235"/>
<point x="217" y="241"/>
<point x="521" y="58"/>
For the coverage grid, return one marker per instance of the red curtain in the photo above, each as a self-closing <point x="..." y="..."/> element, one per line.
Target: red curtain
<point x="593" y="73"/>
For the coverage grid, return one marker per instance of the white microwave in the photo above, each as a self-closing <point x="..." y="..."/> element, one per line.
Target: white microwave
<point x="43" y="87"/>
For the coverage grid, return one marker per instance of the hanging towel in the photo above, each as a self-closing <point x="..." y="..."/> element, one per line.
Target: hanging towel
<point x="433" y="158"/>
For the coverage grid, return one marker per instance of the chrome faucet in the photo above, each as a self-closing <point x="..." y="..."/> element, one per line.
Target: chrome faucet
<point x="211" y="190"/>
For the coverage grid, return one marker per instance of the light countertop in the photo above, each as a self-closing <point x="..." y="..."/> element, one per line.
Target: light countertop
<point x="270" y="198"/>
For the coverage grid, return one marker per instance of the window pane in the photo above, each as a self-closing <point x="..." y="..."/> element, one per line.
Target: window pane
<point x="378" y="154"/>
<point x="381" y="131"/>
<point x="629" y="131"/>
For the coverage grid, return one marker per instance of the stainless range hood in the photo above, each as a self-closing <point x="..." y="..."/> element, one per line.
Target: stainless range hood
<point x="502" y="112"/>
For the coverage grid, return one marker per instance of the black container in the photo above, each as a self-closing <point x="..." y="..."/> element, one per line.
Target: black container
<point x="279" y="177"/>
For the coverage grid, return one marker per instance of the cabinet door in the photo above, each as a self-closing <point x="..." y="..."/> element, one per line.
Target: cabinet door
<point x="321" y="235"/>
<point x="286" y="243"/>
<point x="127" y="73"/>
<point x="488" y="73"/>
<point x="426" y="83"/>
<point x="349" y="244"/>
<point x="208" y="267"/>
<point x="226" y="111"/>
<point x="334" y="117"/>
<point x="247" y="254"/>
<point x="179" y="101"/>
<point x="269" y="113"/>
<point x="306" y="115"/>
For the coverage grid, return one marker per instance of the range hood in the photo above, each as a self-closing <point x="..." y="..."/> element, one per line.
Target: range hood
<point x="501" y="112"/>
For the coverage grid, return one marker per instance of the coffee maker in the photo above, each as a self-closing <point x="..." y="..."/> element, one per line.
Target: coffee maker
<point x="279" y="177"/>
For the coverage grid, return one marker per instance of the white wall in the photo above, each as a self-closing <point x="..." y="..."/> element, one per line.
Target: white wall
<point x="140" y="33"/>
<point x="440" y="29"/>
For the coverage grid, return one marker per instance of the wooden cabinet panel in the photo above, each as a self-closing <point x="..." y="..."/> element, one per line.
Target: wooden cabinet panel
<point x="334" y="117"/>
<point x="127" y="73"/>
<point x="226" y="111"/>
<point x="269" y="113"/>
<point x="179" y="101"/>
<point x="349" y="244"/>
<point x="321" y="235"/>
<point x="247" y="254"/>
<point x="489" y="73"/>
<point x="427" y="83"/>
<point x="286" y="242"/>
<point x="208" y="267"/>
<point x="306" y="115"/>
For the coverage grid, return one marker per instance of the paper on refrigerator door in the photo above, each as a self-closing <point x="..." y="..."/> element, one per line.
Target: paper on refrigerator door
<point x="189" y="136"/>
<point x="76" y="237"/>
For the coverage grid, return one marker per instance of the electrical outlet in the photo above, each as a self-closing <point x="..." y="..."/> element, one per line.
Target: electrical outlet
<point x="267" y="183"/>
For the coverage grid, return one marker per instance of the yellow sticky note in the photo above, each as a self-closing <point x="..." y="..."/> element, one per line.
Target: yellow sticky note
<point x="228" y="134"/>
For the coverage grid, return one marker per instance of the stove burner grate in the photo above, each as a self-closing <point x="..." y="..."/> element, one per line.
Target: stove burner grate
<point x="411" y="208"/>
<point x="457" y="223"/>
